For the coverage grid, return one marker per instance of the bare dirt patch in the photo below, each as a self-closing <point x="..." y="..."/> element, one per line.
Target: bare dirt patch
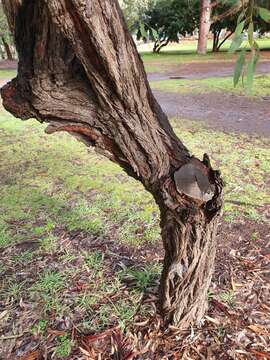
<point x="226" y="112"/>
<point x="8" y="65"/>
<point x="204" y="70"/>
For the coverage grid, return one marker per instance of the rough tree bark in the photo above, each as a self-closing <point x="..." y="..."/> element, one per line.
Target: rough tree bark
<point x="205" y="23"/>
<point x="79" y="71"/>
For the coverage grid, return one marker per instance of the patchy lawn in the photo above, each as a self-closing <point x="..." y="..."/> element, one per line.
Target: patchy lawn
<point x="260" y="88"/>
<point x="81" y="253"/>
<point x="174" y="55"/>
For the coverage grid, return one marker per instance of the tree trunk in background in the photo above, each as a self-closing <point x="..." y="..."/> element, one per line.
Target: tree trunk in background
<point x="205" y="23"/>
<point x="7" y="49"/>
<point x="158" y="45"/>
<point x="79" y="71"/>
<point x="2" y="53"/>
<point x="216" y="35"/>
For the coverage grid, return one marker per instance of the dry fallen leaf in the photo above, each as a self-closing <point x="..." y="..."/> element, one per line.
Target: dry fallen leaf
<point x="3" y="314"/>
<point x="56" y="332"/>
<point x="258" y="329"/>
<point x="214" y="321"/>
<point x="35" y="355"/>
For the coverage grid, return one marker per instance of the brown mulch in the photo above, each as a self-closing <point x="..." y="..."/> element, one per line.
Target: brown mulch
<point x="237" y="328"/>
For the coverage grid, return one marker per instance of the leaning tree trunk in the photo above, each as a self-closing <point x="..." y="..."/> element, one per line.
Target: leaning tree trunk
<point x="205" y="23"/>
<point x="79" y="71"/>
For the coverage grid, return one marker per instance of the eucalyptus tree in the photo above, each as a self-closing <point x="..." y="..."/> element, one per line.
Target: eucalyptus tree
<point x="5" y="35"/>
<point x="80" y="72"/>
<point x="170" y="20"/>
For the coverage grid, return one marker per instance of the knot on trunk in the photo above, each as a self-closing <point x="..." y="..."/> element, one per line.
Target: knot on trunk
<point x="194" y="180"/>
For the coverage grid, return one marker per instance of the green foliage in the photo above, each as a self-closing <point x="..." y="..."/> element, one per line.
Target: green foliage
<point x="133" y="11"/>
<point x="142" y="278"/>
<point x="251" y="15"/>
<point x="168" y="20"/>
<point x="48" y="289"/>
<point x="264" y="14"/>
<point x="63" y="349"/>
<point x="4" y="30"/>
<point x="94" y="260"/>
<point x="239" y="67"/>
<point x="228" y="297"/>
<point x="223" y="23"/>
<point x="261" y="86"/>
<point x="40" y="328"/>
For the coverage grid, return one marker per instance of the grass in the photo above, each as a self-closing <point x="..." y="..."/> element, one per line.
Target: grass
<point x="190" y="46"/>
<point x="261" y="86"/>
<point x="85" y="192"/>
<point x="7" y="74"/>
<point x="64" y="209"/>
<point x="177" y="54"/>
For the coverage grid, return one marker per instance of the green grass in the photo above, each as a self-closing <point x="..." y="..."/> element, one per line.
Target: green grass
<point x="177" y="54"/>
<point x="59" y="199"/>
<point x="261" y="86"/>
<point x="51" y="183"/>
<point x="64" y="346"/>
<point x="190" y="46"/>
<point x="7" y="74"/>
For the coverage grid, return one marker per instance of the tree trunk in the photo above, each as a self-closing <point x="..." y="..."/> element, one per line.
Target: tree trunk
<point x="79" y="71"/>
<point x="2" y="53"/>
<point x="205" y="23"/>
<point x="7" y="49"/>
<point x="225" y="39"/>
<point x="216" y="35"/>
<point x="158" y="45"/>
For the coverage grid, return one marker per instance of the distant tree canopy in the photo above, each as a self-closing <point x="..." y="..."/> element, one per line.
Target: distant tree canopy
<point x="168" y="20"/>
<point x="163" y="21"/>
<point x="133" y="11"/>
<point x="223" y="20"/>
<point x="6" y="39"/>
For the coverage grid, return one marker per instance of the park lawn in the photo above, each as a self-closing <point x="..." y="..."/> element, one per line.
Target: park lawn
<point x="261" y="86"/>
<point x="190" y="46"/>
<point x="80" y="239"/>
<point x="7" y="74"/>
<point x="176" y="54"/>
<point x="66" y="214"/>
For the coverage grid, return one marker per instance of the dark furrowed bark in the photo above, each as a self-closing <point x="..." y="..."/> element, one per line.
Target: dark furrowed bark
<point x="188" y="234"/>
<point x="115" y="81"/>
<point x="79" y="71"/>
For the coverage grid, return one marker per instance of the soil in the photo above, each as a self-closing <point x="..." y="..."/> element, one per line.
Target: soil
<point x="204" y="70"/>
<point x="221" y="111"/>
<point x="8" y="64"/>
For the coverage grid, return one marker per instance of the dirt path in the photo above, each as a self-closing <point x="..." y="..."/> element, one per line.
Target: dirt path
<point x="220" y="111"/>
<point x="204" y="70"/>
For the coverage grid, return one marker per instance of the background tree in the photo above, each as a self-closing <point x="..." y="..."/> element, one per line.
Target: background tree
<point x="80" y="71"/>
<point x="205" y="23"/>
<point x="134" y="10"/>
<point x="223" y="20"/>
<point x="212" y="11"/>
<point x="5" y="36"/>
<point x="169" y="20"/>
